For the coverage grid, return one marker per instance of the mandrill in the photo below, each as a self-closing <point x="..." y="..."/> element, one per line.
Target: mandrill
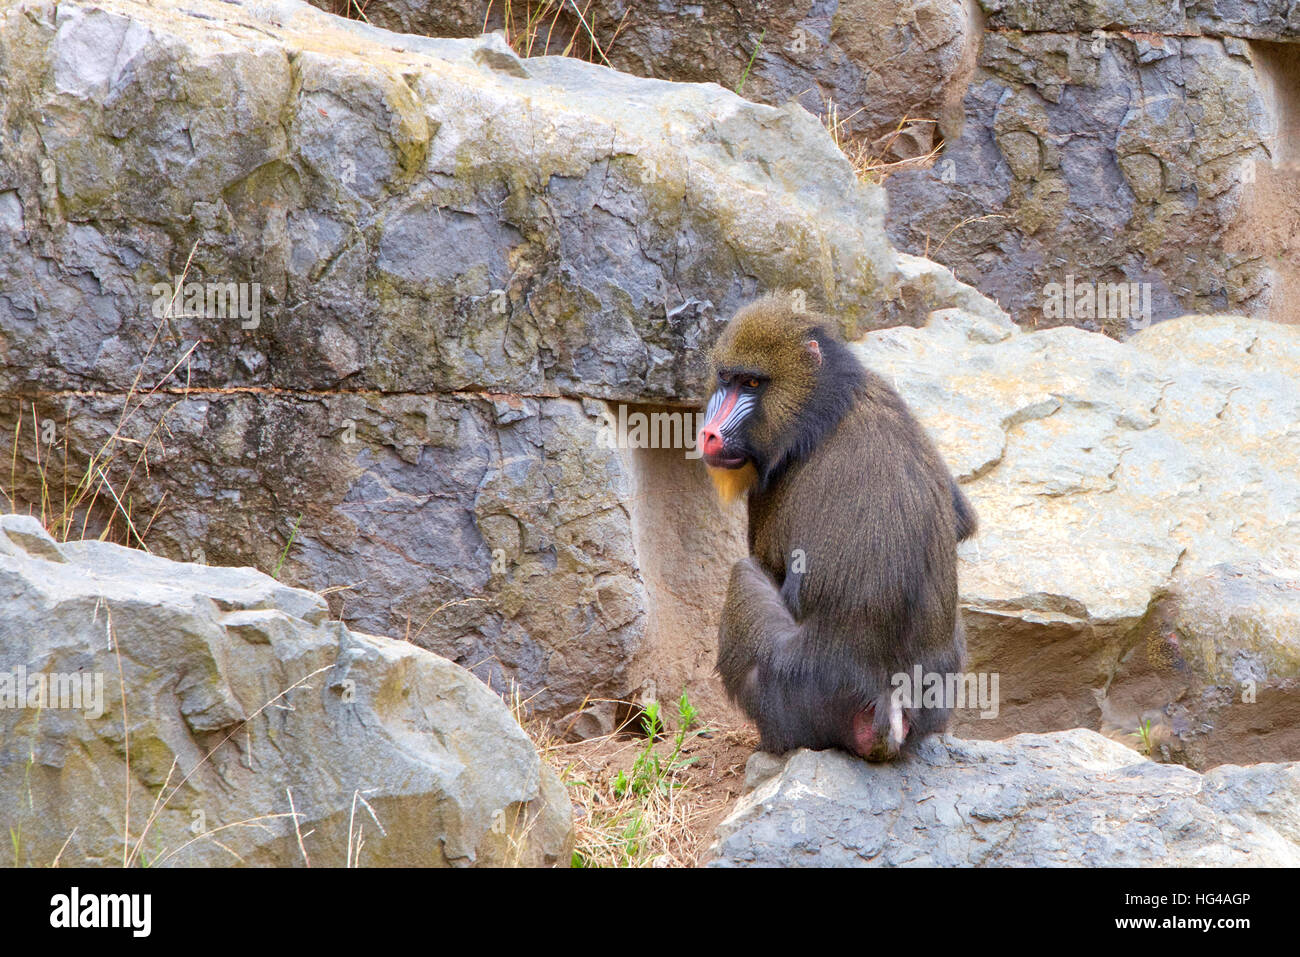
<point x="854" y="521"/>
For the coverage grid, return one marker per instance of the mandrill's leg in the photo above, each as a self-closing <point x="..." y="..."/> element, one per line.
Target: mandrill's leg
<point x="795" y="699"/>
<point x="881" y="729"/>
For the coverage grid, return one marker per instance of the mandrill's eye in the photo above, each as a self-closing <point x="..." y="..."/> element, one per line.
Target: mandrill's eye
<point x="751" y="383"/>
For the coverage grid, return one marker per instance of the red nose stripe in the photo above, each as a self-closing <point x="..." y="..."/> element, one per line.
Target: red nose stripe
<point x="724" y="410"/>
<point x="709" y="439"/>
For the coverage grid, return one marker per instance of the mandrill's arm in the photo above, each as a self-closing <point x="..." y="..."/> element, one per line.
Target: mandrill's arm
<point x="756" y="629"/>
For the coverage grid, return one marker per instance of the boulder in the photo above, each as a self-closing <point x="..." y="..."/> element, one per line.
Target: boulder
<point x="1138" y="560"/>
<point x="162" y="713"/>
<point x="874" y="61"/>
<point x="1135" y="154"/>
<point x="1108" y="140"/>
<point x="1069" y="799"/>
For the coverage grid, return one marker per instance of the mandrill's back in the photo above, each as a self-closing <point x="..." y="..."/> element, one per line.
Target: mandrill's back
<point x="866" y="535"/>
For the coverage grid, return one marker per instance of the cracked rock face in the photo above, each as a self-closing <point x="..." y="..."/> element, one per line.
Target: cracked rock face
<point x="425" y="268"/>
<point x="877" y="61"/>
<point x="245" y="705"/>
<point x="1112" y="141"/>
<point x="1071" y="799"/>
<point x="1209" y="17"/>
<point x="1119" y="143"/>
<point x="1139" y="505"/>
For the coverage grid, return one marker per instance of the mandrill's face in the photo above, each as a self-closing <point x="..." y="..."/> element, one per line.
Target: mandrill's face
<point x="723" y="437"/>
<point x="766" y="366"/>
<point x="724" y="440"/>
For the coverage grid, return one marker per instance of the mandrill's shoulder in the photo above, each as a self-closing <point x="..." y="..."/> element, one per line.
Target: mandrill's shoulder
<point x="879" y="442"/>
<point x="893" y="451"/>
<point x="880" y="419"/>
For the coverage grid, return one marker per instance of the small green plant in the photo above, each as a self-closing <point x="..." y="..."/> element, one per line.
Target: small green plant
<point x="287" y="545"/>
<point x="1144" y="732"/>
<point x="650" y="771"/>
<point x="146" y="862"/>
<point x="750" y="65"/>
<point x="633" y="822"/>
<point x="652" y="775"/>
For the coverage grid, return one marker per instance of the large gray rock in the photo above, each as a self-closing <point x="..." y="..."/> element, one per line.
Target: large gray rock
<point x="1068" y="799"/>
<point x="1108" y="140"/>
<point x="461" y="258"/>
<point x="244" y="705"/>
<point x="1115" y="158"/>
<point x="876" y="61"/>
<point x="1139" y="502"/>
<point x="421" y="215"/>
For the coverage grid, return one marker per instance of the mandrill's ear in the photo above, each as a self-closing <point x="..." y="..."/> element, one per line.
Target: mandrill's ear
<point x="814" y="350"/>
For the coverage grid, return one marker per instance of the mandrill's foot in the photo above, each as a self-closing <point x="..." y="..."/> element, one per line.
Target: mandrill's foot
<point x="879" y="738"/>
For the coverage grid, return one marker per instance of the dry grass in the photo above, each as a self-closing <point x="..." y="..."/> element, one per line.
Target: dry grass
<point x="869" y="156"/>
<point x="537" y="27"/>
<point x="965" y="222"/>
<point x="868" y="159"/>
<point x="639" y="802"/>
<point x="65" y="501"/>
<point x="657" y="828"/>
<point x="352" y="9"/>
<point x="531" y="28"/>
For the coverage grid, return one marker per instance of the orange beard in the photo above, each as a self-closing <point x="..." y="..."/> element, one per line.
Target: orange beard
<point x="733" y="483"/>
